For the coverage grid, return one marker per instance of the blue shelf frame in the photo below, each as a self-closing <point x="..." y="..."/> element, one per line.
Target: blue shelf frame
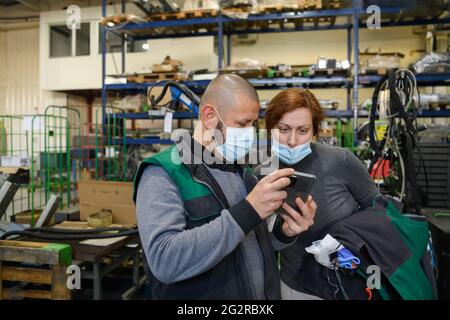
<point x="279" y="83"/>
<point x="351" y="85"/>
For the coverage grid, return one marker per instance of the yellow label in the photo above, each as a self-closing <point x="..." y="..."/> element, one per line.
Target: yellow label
<point x="380" y="129"/>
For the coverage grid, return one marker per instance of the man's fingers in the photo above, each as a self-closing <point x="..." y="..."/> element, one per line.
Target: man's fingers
<point x="280" y="184"/>
<point x="278" y="174"/>
<point x="279" y="195"/>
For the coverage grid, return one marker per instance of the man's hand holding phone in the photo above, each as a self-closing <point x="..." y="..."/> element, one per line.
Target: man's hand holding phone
<point x="268" y="194"/>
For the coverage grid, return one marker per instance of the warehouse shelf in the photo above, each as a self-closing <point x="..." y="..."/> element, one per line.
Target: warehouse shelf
<point x="144" y="140"/>
<point x="224" y="26"/>
<point x="259" y="83"/>
<point x="279" y="83"/>
<point x="422" y="80"/>
<point x="183" y="115"/>
<point x="328" y="114"/>
<point x="145" y="115"/>
<point x="211" y="25"/>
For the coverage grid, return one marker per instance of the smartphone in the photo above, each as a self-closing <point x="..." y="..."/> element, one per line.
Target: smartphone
<point x="301" y="185"/>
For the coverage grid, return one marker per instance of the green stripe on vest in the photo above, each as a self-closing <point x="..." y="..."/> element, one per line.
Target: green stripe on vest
<point x="195" y="195"/>
<point x="170" y="161"/>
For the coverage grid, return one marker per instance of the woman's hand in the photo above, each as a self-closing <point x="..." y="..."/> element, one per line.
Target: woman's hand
<point x="298" y="222"/>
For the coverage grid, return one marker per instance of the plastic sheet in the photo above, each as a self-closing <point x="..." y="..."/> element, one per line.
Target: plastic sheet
<point x="433" y="63"/>
<point x="200" y="5"/>
<point x="247" y="64"/>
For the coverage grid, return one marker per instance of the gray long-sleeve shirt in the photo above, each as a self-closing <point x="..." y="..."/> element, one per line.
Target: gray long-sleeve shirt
<point x="176" y="254"/>
<point x="343" y="185"/>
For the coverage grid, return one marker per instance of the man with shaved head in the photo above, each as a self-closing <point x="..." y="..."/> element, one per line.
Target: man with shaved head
<point x="202" y="222"/>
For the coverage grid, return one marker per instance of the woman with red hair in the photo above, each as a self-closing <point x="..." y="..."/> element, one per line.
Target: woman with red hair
<point x="342" y="187"/>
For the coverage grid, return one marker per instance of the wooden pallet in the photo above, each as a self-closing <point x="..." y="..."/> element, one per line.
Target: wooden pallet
<point x="191" y="14"/>
<point x="151" y="77"/>
<point x="18" y="270"/>
<point x="121" y="18"/>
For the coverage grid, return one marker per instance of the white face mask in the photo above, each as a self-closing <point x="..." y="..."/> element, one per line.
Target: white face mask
<point x="238" y="142"/>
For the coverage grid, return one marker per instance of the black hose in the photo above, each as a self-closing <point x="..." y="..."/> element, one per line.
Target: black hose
<point x="76" y="231"/>
<point x="51" y="236"/>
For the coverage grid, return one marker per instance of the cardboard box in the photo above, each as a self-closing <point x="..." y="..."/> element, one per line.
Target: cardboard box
<point x="109" y="195"/>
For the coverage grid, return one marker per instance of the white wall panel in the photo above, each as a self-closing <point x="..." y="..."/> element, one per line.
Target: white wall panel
<point x="20" y="91"/>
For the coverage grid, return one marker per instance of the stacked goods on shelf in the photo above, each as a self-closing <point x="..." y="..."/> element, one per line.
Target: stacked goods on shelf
<point x="156" y="7"/>
<point x="433" y="63"/>
<point x="191" y="5"/>
<point x="184" y="15"/>
<point x="378" y="62"/>
<point x="330" y="67"/>
<point x="287" y="71"/>
<point x="247" y="68"/>
<point x="434" y="100"/>
<point x="118" y="19"/>
<point x="169" y="69"/>
<point x="270" y="6"/>
<point x="131" y="103"/>
<point x="163" y="10"/>
<point x="329" y="104"/>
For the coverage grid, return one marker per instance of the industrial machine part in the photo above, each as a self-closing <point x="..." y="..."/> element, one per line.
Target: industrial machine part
<point x="7" y="192"/>
<point x="48" y="212"/>
<point x="43" y="221"/>
<point x="393" y="134"/>
<point x="179" y="92"/>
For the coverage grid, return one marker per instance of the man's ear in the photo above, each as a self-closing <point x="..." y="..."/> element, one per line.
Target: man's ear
<point x="209" y="116"/>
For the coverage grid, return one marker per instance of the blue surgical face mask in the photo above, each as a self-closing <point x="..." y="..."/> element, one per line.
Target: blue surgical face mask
<point x="238" y="142"/>
<point x="291" y="155"/>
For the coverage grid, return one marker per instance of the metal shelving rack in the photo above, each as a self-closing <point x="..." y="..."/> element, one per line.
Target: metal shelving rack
<point x="222" y="26"/>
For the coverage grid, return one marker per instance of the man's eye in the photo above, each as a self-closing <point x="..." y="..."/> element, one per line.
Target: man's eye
<point x="283" y="130"/>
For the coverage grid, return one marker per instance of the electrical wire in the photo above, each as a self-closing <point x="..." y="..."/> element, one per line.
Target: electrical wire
<point x="76" y="231"/>
<point x="400" y="112"/>
<point x="336" y="271"/>
<point x="67" y="236"/>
